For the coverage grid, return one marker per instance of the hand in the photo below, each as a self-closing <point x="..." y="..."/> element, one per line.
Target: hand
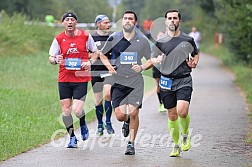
<point x="192" y="62"/>
<point x="86" y="65"/>
<point x="137" y="68"/>
<point x="112" y="70"/>
<point x="59" y="59"/>
<point x="160" y="58"/>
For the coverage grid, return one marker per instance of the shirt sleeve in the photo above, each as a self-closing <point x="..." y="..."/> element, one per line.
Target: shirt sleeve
<point x="55" y="48"/>
<point x="147" y="51"/>
<point x="91" y="44"/>
<point x="195" y="49"/>
<point x="155" y="50"/>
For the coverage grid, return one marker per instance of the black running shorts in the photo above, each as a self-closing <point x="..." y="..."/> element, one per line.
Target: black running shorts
<point x="121" y="95"/>
<point x="155" y="72"/>
<point x="98" y="83"/>
<point x="73" y="90"/>
<point x="170" y="98"/>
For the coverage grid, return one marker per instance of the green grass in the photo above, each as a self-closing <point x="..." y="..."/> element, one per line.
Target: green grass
<point x="242" y="72"/>
<point x="30" y="108"/>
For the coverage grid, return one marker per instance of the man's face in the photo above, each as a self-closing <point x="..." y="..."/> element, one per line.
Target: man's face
<point x="104" y="25"/>
<point x="69" y="23"/>
<point x="128" y="22"/>
<point x="172" y="21"/>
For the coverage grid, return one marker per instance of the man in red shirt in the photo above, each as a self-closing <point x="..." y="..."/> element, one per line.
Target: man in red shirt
<point x="69" y="49"/>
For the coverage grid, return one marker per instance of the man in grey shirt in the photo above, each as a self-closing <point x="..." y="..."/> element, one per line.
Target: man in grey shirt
<point x="127" y="49"/>
<point x="177" y="54"/>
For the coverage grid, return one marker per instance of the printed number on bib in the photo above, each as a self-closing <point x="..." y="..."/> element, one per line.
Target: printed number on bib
<point x="165" y="83"/>
<point x="128" y="57"/>
<point x="73" y="63"/>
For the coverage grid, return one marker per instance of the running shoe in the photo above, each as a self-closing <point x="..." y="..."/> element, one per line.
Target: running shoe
<point x="175" y="151"/>
<point x="161" y="108"/>
<point x="125" y="128"/>
<point x="109" y="128"/>
<point x="130" y="149"/>
<point x="72" y="143"/>
<point x="100" y="130"/>
<point x="185" y="142"/>
<point x="84" y="132"/>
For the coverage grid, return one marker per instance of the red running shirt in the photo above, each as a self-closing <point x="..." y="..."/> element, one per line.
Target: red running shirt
<point x="74" y="50"/>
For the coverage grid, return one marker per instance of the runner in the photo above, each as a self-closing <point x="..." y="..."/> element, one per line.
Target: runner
<point x="99" y="82"/>
<point x="69" y="49"/>
<point x="128" y="48"/>
<point x="178" y="54"/>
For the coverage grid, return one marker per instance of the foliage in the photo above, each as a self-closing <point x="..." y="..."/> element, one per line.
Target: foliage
<point x="85" y="9"/>
<point x="233" y="18"/>
<point x="16" y="37"/>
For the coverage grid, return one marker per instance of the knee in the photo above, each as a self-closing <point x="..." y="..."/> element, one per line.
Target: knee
<point x="183" y="115"/>
<point x="134" y="115"/>
<point x="119" y="115"/>
<point x="66" y="111"/>
<point x="172" y="115"/>
<point x="77" y="111"/>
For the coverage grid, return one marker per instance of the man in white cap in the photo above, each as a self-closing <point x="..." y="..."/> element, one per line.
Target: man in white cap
<point x="99" y="82"/>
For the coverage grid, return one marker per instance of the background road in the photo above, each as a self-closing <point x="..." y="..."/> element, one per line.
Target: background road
<point x="219" y="125"/>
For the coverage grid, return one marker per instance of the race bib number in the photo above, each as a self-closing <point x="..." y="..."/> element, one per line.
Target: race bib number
<point x="73" y="63"/>
<point x="165" y="83"/>
<point x="128" y="58"/>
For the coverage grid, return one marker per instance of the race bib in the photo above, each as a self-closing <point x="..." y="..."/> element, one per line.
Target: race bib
<point x="73" y="63"/>
<point x="128" y="57"/>
<point x="165" y="83"/>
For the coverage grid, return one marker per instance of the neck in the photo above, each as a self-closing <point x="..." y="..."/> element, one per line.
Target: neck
<point x="102" y="33"/>
<point x="129" y="35"/>
<point x="71" y="33"/>
<point x="173" y="33"/>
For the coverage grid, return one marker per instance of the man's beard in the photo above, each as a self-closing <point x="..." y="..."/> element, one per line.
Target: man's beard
<point x="130" y="29"/>
<point x="173" y="27"/>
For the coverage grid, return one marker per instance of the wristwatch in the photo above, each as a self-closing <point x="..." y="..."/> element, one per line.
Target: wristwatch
<point x="55" y="60"/>
<point x="91" y="61"/>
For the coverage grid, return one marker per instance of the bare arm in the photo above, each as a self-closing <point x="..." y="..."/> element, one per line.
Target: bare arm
<point x="106" y="62"/>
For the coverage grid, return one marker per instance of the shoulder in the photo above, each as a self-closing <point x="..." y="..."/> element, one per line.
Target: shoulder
<point x="95" y="34"/>
<point x="186" y="37"/>
<point x="84" y="33"/>
<point x="142" y="38"/>
<point x="60" y="35"/>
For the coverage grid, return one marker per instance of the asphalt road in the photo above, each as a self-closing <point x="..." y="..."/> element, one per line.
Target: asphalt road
<point x="219" y="125"/>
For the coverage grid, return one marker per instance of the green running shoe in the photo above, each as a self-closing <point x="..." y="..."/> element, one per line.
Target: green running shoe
<point x="185" y="143"/>
<point x="175" y="151"/>
<point x="161" y="108"/>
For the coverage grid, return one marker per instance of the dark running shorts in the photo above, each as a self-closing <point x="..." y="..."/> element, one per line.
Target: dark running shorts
<point x="98" y="83"/>
<point x="73" y="90"/>
<point x="170" y="98"/>
<point x="121" y="95"/>
<point x="155" y="72"/>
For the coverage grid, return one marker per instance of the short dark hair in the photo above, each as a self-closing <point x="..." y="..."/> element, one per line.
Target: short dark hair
<point x="130" y="12"/>
<point x="173" y="10"/>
